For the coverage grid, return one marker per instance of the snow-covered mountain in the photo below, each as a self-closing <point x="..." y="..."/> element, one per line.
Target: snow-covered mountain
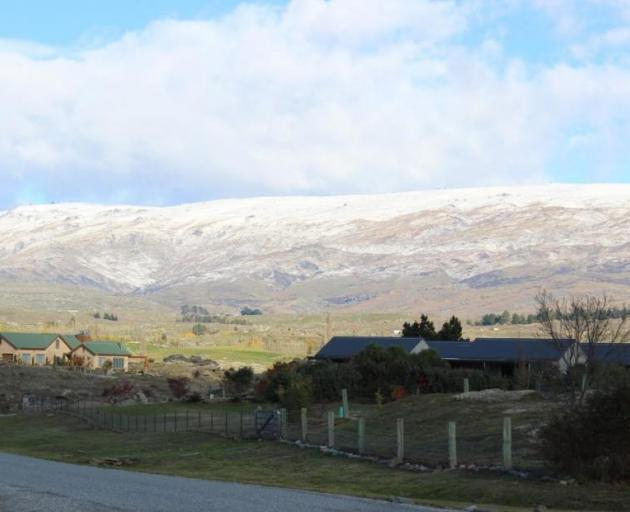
<point x="379" y="251"/>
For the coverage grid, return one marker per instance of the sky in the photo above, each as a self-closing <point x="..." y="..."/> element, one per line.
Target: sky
<point x="165" y="102"/>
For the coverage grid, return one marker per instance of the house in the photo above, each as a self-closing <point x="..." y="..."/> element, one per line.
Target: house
<point x="609" y="353"/>
<point x="343" y="348"/>
<point x="34" y="348"/>
<point x="98" y="354"/>
<point x="505" y="354"/>
<point x="500" y="354"/>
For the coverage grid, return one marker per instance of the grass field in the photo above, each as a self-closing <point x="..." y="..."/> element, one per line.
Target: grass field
<point x="269" y="463"/>
<point x="236" y="354"/>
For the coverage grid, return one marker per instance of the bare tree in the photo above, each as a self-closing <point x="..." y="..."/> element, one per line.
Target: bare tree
<point x="581" y="327"/>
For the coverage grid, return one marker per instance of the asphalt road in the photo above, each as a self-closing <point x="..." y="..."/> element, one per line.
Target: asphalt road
<point x="33" y="485"/>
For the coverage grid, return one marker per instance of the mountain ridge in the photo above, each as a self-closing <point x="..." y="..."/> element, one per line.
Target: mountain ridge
<point x="304" y="252"/>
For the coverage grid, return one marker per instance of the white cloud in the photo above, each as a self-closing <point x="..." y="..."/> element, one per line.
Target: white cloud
<point x="318" y="97"/>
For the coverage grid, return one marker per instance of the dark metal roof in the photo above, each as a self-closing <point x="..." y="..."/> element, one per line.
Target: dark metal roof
<point x="502" y="349"/>
<point x="612" y="353"/>
<point x="343" y="348"/>
<point x="508" y="350"/>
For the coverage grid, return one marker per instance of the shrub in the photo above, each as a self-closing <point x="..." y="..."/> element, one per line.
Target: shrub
<point x="119" y="391"/>
<point x="399" y="392"/>
<point x="238" y="381"/>
<point x="179" y="386"/>
<point x="591" y="441"/>
<point x="328" y="379"/>
<point x="297" y="394"/>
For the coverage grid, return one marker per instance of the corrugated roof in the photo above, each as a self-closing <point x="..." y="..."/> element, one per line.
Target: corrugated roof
<point x="29" y="340"/>
<point x="342" y="348"/>
<point x="72" y="341"/>
<point x="106" y="348"/>
<point x="502" y="349"/>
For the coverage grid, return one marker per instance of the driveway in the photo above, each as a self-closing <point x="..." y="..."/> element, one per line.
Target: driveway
<point x="34" y="485"/>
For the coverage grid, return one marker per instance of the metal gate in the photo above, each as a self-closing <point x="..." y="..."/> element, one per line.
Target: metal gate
<point x="268" y="424"/>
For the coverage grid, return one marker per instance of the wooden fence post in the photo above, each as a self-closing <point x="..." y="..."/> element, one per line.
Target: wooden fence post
<point x="400" y="439"/>
<point x="466" y="385"/>
<point x="361" y="435"/>
<point x="452" y="445"/>
<point x="331" y="429"/>
<point x="507" y="442"/>
<point x="346" y="405"/>
<point x="304" y="423"/>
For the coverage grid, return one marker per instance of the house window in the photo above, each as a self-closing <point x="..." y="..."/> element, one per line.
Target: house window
<point x="57" y="344"/>
<point x="118" y="363"/>
<point x="100" y="362"/>
<point x="40" y="359"/>
<point x="27" y="359"/>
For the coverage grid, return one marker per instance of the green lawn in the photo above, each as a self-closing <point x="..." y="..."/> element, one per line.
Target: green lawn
<point x="236" y="353"/>
<point x="270" y="463"/>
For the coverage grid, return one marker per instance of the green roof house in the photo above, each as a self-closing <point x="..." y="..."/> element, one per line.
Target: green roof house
<point x="100" y="354"/>
<point x="33" y="349"/>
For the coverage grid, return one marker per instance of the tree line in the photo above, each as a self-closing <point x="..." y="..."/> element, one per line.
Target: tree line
<point x="106" y="316"/>
<point x="425" y="329"/>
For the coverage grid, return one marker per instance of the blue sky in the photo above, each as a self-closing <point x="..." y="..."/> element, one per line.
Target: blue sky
<point x="164" y="102"/>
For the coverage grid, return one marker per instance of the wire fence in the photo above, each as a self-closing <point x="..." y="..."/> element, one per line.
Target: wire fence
<point x="470" y="439"/>
<point x="106" y="417"/>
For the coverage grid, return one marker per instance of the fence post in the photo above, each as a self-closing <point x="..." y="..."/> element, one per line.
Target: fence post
<point x="176" y="414"/>
<point x="400" y="439"/>
<point x="507" y="442"/>
<point x="331" y="429"/>
<point x="211" y="421"/>
<point x="346" y="405"/>
<point x="452" y="445"/>
<point x="227" y="419"/>
<point x="199" y="418"/>
<point x="187" y="421"/>
<point x="241" y="426"/>
<point x="466" y="385"/>
<point x="361" y="435"/>
<point x="304" y="423"/>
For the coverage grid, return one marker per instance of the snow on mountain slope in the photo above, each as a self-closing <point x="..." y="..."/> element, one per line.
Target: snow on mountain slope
<point x="468" y="235"/>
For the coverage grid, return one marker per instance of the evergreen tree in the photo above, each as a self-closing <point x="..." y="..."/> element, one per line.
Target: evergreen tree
<point x="451" y="330"/>
<point x="425" y="329"/>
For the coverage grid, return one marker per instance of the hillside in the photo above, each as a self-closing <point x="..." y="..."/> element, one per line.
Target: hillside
<point x="469" y="250"/>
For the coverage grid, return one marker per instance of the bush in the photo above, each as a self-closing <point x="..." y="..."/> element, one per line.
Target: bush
<point x="179" y="386"/>
<point x="591" y="441"/>
<point x="328" y="379"/>
<point x="297" y="394"/>
<point x="119" y="391"/>
<point x="238" y="381"/>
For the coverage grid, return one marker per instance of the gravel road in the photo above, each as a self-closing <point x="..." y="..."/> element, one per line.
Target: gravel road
<point x="33" y="485"/>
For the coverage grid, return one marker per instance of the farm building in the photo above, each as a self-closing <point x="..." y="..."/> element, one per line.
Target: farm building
<point x="501" y="354"/>
<point x="505" y="354"/>
<point x="343" y="348"/>
<point x="610" y="353"/>
<point x="100" y="354"/>
<point x="35" y="348"/>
